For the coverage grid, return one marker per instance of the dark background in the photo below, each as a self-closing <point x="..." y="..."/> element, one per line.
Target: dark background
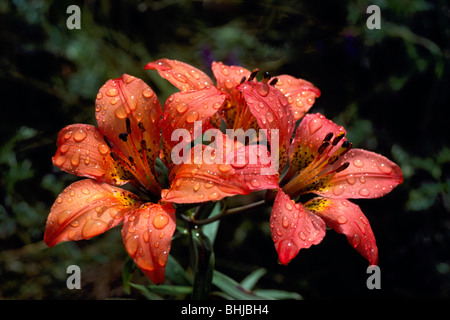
<point x="388" y="87"/>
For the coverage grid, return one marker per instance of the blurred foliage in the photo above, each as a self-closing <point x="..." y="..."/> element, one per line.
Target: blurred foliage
<point x="388" y="87"/>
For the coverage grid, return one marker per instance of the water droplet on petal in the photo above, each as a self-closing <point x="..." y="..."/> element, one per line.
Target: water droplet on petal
<point x="120" y="113"/>
<point x="364" y="192"/>
<point x="80" y="135"/>
<point x="358" y="163"/>
<point x="160" y="221"/>
<point x="315" y="125"/>
<point x="213" y="196"/>
<point x="103" y="149"/>
<point x="112" y="92"/>
<point x="385" y="168"/>
<point x="192" y="117"/>
<point x="338" y="190"/>
<point x="285" y="222"/>
<point x="93" y="227"/>
<point x="147" y="92"/>
<point x="75" y="160"/>
<point x="132" y="244"/>
<point x="341" y="220"/>
<point x="224" y="168"/>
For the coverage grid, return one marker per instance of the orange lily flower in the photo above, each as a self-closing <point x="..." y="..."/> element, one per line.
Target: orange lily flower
<point x="123" y="149"/>
<point x="280" y="101"/>
<point x="323" y="162"/>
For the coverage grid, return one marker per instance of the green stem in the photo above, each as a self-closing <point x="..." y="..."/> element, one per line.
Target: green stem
<point x="223" y="214"/>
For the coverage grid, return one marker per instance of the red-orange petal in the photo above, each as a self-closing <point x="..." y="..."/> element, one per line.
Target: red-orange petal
<point x="182" y="75"/>
<point x="270" y="108"/>
<point x="85" y="209"/>
<point x="147" y="235"/>
<point x="309" y="137"/>
<point x="347" y="218"/>
<point x="83" y="152"/>
<point x="301" y="94"/>
<point x="128" y="113"/>
<point x="207" y="179"/>
<point x="228" y="78"/>
<point x="368" y="175"/>
<point x="293" y="228"/>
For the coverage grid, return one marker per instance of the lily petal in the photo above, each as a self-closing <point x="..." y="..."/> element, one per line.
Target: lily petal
<point x="182" y="75"/>
<point x="347" y="218"/>
<point x="308" y="139"/>
<point x="270" y="108"/>
<point x="184" y="108"/>
<point x="205" y="179"/>
<point x="128" y="114"/>
<point x="147" y="234"/>
<point x="86" y="209"/>
<point x="228" y="77"/>
<point x="301" y="94"/>
<point x="83" y="152"/>
<point x="368" y="175"/>
<point x="293" y="227"/>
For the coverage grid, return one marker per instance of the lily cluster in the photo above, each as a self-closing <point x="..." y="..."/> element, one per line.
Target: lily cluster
<point x="133" y="145"/>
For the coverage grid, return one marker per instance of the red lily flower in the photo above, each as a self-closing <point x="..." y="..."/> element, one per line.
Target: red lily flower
<point x="231" y="99"/>
<point x="323" y="162"/>
<point x="123" y="148"/>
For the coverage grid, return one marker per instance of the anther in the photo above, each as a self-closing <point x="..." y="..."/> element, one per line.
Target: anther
<point x="266" y="77"/>
<point x="253" y="74"/>
<point x="273" y="82"/>
<point x="123" y="136"/>
<point x="343" y="167"/>
<point x="328" y="136"/>
<point x="338" y="138"/>
<point x="107" y="141"/>
<point x="131" y="160"/>
<point x="323" y="146"/>
<point x="347" y="147"/>
<point x="127" y="120"/>
<point x="141" y="126"/>
<point x="333" y="159"/>
<point x="243" y="79"/>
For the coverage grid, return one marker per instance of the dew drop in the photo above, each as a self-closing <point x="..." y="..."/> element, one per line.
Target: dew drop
<point x="120" y="113"/>
<point x="132" y="244"/>
<point x="93" y="227"/>
<point x="103" y="149"/>
<point x="315" y="125"/>
<point x="341" y="220"/>
<point x="112" y="92"/>
<point x="338" y="190"/>
<point x="385" y="168"/>
<point x="358" y="163"/>
<point x="160" y="221"/>
<point x="80" y="135"/>
<point x="229" y="84"/>
<point x="224" y="168"/>
<point x="364" y="192"/>
<point x="75" y="160"/>
<point x="255" y="183"/>
<point x="196" y="186"/>
<point x="285" y="222"/>
<point x="192" y="117"/>
<point x="182" y="107"/>
<point x="147" y="92"/>
<point x="213" y="196"/>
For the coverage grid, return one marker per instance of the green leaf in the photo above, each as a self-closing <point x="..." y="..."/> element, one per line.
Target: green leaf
<point x="176" y="273"/>
<point x="146" y="292"/>
<point x="250" y="281"/>
<point x="163" y="289"/>
<point x="233" y="288"/>
<point x="278" y="294"/>
<point x="127" y="274"/>
<point x="210" y="230"/>
<point x="202" y="257"/>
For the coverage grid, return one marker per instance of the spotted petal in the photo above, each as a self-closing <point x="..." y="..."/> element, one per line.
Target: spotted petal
<point x="293" y="227"/>
<point x="308" y="139"/>
<point x="347" y="218"/>
<point x="182" y="75"/>
<point x="147" y="235"/>
<point x="128" y="114"/>
<point x="368" y="175"/>
<point x="206" y="178"/>
<point x="301" y="94"/>
<point x="270" y="108"/>
<point x="83" y="152"/>
<point x="85" y="209"/>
